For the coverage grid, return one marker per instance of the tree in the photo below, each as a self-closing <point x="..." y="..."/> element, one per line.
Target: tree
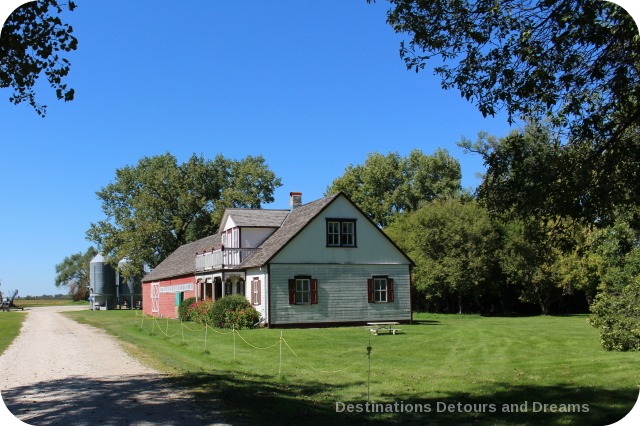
<point x="616" y="308"/>
<point x="529" y="261"/>
<point x="158" y="205"/>
<point x="531" y="174"/>
<point x="31" y="42"/>
<point x="574" y="63"/>
<point x="74" y="272"/>
<point x="388" y="184"/>
<point x="617" y="315"/>
<point x="453" y="245"/>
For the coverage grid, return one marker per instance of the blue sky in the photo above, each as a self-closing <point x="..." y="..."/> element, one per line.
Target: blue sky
<point x="313" y="86"/>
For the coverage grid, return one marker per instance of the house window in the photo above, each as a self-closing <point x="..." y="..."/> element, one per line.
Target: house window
<point x="341" y="232"/>
<point x="303" y="290"/>
<point x="380" y="290"/>
<point x="240" y="287"/>
<point x="256" y="289"/>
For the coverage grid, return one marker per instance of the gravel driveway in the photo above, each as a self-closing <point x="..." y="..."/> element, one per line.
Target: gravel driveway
<point x="60" y="372"/>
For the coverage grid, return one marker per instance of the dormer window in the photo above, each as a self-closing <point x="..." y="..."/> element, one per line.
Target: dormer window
<point x="341" y="232"/>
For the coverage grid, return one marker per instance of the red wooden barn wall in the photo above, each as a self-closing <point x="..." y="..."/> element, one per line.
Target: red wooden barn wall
<point x="167" y="303"/>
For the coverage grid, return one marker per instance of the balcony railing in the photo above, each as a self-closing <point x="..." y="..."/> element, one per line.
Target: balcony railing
<point x="226" y="258"/>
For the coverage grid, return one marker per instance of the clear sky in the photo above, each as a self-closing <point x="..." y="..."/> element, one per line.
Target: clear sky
<point x="313" y="86"/>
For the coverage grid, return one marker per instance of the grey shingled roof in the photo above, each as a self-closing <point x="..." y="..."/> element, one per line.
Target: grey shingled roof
<point x="256" y="217"/>
<point x="183" y="260"/>
<point x="295" y="222"/>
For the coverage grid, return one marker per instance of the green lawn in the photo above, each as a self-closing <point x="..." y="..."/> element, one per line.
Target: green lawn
<point x="29" y="303"/>
<point x="462" y="369"/>
<point x="10" y="324"/>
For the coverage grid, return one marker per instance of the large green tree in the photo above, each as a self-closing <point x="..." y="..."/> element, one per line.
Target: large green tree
<point x="389" y="184"/>
<point x="530" y="261"/>
<point x="74" y="272"/>
<point x="573" y="63"/>
<point x="156" y="206"/>
<point x="453" y="244"/>
<point x="33" y="43"/>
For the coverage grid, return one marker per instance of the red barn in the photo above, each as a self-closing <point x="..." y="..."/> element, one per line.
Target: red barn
<point x="173" y="280"/>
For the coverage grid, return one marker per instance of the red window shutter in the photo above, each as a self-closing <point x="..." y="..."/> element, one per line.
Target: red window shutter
<point x="292" y="292"/>
<point x="314" y="291"/>
<point x="370" y="294"/>
<point x="389" y="289"/>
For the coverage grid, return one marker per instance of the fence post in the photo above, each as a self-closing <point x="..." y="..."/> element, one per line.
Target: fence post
<point x="369" y="374"/>
<point x="280" y="365"/>
<point x="206" y="330"/>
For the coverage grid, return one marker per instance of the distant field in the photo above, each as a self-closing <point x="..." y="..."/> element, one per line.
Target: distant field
<point x="445" y="369"/>
<point x="26" y="303"/>
<point x="10" y="324"/>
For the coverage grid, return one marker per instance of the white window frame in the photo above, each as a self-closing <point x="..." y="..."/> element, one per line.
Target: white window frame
<point x="380" y="289"/>
<point x="301" y="292"/>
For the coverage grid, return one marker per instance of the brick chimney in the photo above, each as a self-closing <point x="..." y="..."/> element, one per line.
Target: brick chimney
<point x="295" y="199"/>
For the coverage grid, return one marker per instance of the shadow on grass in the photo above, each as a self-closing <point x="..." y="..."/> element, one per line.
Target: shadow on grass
<point x="267" y="401"/>
<point x="425" y="322"/>
<point x="250" y="399"/>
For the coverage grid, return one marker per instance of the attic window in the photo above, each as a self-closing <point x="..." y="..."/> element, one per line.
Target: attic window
<point x="341" y="232"/>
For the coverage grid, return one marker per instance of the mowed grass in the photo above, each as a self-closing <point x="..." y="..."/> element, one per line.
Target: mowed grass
<point x="10" y="325"/>
<point x="30" y="303"/>
<point x="444" y="369"/>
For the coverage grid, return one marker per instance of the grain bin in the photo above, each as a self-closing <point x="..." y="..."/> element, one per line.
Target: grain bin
<point x="130" y="289"/>
<point x="102" y="277"/>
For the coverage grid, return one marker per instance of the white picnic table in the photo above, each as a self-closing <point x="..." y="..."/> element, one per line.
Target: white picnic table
<point x="389" y="327"/>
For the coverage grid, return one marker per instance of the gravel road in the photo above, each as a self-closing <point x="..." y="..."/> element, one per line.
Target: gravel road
<point x="60" y="372"/>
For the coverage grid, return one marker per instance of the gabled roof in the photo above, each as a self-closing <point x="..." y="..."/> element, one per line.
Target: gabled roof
<point x="183" y="260"/>
<point x="294" y="223"/>
<point x="257" y="218"/>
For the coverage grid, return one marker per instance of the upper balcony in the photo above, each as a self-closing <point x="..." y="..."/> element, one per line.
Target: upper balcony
<point x="224" y="258"/>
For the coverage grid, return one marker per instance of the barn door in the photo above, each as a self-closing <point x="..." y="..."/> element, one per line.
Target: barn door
<point x="155" y="297"/>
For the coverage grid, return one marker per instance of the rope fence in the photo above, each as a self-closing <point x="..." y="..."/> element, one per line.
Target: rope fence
<point x="156" y="324"/>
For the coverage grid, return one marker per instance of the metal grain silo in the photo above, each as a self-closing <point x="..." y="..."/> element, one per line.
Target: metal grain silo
<point x="103" y="283"/>
<point x="130" y="289"/>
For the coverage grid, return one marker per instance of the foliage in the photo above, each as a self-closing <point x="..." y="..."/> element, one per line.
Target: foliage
<point x="158" y="205"/>
<point x="528" y="261"/>
<point x="234" y="311"/>
<point x="453" y="245"/>
<point x="388" y="184"/>
<point x="183" y="309"/>
<point x="617" y="315"/>
<point x="31" y="42"/>
<point x="569" y="185"/>
<point x="573" y="63"/>
<point x="74" y="272"/>
<point x="200" y="312"/>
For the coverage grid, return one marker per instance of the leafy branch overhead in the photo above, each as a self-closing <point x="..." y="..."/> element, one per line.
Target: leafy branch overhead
<point x="32" y="44"/>
<point x="572" y="64"/>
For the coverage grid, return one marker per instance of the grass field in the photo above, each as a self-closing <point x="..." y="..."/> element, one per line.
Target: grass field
<point x="455" y="369"/>
<point x="29" y="303"/>
<point x="10" y="323"/>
